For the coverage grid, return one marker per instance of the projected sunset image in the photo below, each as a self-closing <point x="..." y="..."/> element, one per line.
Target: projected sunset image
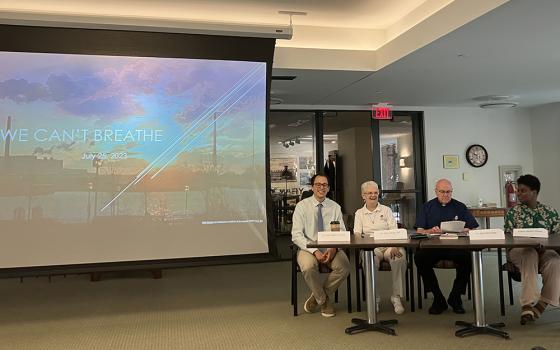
<point x="102" y="139"/>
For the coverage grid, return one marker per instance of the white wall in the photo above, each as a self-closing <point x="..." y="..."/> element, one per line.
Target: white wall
<point x="506" y="135"/>
<point x="545" y="127"/>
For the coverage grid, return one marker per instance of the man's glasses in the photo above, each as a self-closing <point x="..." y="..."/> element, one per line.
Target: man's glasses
<point x="444" y="192"/>
<point x="319" y="185"/>
<point x="369" y="194"/>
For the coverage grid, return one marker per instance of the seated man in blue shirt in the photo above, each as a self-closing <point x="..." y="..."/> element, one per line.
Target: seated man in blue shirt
<point x="433" y="213"/>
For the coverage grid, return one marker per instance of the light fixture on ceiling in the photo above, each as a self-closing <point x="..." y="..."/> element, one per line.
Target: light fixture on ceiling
<point x="497" y="105"/>
<point x="292" y="141"/>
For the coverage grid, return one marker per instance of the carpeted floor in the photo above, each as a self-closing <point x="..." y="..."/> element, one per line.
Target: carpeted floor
<point x="231" y="307"/>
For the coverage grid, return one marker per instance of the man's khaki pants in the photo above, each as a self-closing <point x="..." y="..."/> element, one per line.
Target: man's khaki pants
<point x="530" y="263"/>
<point x="309" y="267"/>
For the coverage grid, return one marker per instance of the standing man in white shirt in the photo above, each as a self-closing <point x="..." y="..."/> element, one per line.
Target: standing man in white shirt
<point x="312" y="215"/>
<point x="375" y="216"/>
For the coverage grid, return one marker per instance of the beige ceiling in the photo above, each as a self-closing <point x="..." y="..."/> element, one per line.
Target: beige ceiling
<point x="372" y="14"/>
<point x="357" y="52"/>
<point x="339" y="35"/>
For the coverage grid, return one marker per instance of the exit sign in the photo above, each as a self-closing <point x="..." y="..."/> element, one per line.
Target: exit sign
<point x="382" y="112"/>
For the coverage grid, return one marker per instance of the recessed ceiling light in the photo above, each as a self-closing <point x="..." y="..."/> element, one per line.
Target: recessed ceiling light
<point x="496" y="105"/>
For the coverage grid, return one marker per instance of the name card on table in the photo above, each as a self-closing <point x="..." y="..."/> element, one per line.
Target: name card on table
<point x="390" y="234"/>
<point x="333" y="236"/>
<point x="530" y="232"/>
<point x="495" y="233"/>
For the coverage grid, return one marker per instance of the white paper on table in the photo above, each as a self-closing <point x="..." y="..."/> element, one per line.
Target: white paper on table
<point x="399" y="233"/>
<point x="494" y="233"/>
<point x="452" y="226"/>
<point x="333" y="236"/>
<point x="530" y="232"/>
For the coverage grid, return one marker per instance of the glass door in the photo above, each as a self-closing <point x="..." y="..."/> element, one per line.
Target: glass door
<point x="292" y="163"/>
<point x="398" y="165"/>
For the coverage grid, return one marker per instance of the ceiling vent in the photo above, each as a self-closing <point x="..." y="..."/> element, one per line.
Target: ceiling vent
<point x="283" y="77"/>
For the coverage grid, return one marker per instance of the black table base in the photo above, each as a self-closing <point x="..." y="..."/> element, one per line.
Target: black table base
<point x="472" y="329"/>
<point x="363" y="326"/>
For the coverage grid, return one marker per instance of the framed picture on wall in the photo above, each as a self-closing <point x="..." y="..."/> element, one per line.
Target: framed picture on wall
<point x="508" y="173"/>
<point x="450" y="161"/>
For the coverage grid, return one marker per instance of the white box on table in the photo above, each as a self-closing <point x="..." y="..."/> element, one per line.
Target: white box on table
<point x="494" y="233"/>
<point x="399" y="233"/>
<point x="530" y="232"/>
<point x="333" y="236"/>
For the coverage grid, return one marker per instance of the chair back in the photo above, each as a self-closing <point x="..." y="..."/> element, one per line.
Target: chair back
<point x="349" y="222"/>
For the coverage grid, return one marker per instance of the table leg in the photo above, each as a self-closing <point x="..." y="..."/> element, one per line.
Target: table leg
<point x="371" y="324"/>
<point x="479" y="326"/>
<point x="501" y="283"/>
<point x="411" y="279"/>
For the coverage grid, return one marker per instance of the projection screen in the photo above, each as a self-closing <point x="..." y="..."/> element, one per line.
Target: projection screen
<point x="125" y="158"/>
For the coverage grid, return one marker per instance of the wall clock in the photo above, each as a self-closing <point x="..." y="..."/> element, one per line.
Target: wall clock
<point x="477" y="155"/>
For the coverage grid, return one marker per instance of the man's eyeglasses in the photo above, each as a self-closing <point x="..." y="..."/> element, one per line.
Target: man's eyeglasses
<point x="369" y="194"/>
<point x="319" y="185"/>
<point x="444" y="192"/>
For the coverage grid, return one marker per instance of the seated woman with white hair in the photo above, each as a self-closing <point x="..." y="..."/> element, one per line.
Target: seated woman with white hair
<point x="375" y="216"/>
